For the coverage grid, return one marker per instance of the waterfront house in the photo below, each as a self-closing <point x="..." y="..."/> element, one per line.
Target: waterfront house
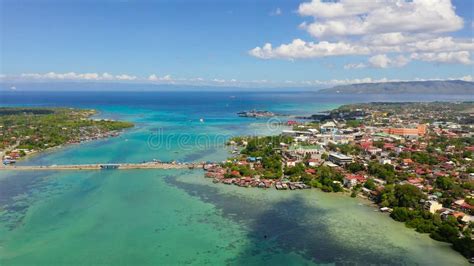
<point x="351" y="180"/>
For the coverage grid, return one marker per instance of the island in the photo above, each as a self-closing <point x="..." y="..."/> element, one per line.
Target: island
<point x="437" y="87"/>
<point x="256" y="114"/>
<point x="415" y="161"/>
<point x="26" y="130"/>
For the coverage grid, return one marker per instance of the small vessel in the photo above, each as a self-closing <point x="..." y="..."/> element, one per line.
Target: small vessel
<point x="201" y="120"/>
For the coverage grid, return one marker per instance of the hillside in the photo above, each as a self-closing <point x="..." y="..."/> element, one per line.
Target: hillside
<point x="431" y="87"/>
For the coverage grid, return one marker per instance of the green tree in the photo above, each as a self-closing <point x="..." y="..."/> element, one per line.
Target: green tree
<point x="370" y="184"/>
<point x="408" y="195"/>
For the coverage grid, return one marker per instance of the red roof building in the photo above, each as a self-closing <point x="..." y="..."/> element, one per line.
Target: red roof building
<point x="389" y="146"/>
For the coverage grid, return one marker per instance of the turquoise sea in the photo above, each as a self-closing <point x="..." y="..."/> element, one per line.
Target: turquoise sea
<point x="169" y="217"/>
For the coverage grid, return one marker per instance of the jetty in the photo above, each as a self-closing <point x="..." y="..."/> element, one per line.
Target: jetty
<point x="105" y="166"/>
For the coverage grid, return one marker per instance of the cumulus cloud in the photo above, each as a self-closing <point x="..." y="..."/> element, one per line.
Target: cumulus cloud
<point x="351" y="17"/>
<point x="155" y="78"/>
<point x="125" y="77"/>
<point x="301" y="49"/>
<point x="461" y="57"/>
<point x="73" y="76"/>
<point x="441" y="44"/>
<point x="258" y="83"/>
<point x="374" y="28"/>
<point x="383" y="61"/>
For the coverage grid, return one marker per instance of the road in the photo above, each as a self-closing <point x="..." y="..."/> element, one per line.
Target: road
<point x="119" y="166"/>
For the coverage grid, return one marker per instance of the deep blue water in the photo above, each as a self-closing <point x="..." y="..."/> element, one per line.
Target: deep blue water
<point x="204" y="100"/>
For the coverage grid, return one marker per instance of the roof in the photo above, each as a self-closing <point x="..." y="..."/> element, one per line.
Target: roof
<point x="329" y="124"/>
<point x="310" y="171"/>
<point x="359" y="178"/>
<point x="415" y="180"/>
<point x="389" y="145"/>
<point x="340" y="156"/>
<point x="306" y="147"/>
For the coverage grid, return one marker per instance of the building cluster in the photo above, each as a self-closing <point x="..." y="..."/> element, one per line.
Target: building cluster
<point x="420" y="146"/>
<point x="223" y="175"/>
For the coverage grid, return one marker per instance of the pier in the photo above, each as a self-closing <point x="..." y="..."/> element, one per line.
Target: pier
<point x="105" y="166"/>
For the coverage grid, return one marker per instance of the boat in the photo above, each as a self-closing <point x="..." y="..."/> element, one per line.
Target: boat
<point x="201" y="120"/>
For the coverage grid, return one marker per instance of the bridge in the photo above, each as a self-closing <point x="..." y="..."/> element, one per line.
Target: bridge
<point x="105" y="166"/>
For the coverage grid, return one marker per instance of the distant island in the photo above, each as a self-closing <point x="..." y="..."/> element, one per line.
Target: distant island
<point x="256" y="114"/>
<point x="28" y="130"/>
<point x="418" y="87"/>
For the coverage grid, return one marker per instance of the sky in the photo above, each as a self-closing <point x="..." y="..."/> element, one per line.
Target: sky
<point x="236" y="43"/>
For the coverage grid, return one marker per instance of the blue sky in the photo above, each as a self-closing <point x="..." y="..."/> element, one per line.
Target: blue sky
<point x="212" y="42"/>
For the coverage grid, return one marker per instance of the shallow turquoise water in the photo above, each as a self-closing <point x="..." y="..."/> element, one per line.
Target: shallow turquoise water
<point x="150" y="217"/>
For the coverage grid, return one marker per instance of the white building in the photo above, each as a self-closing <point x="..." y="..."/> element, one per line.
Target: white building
<point x="433" y="206"/>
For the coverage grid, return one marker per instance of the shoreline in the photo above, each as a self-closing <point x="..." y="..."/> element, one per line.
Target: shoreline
<point x="395" y="168"/>
<point x="93" y="115"/>
<point x="36" y="153"/>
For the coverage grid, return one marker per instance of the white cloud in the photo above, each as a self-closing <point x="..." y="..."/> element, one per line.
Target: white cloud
<point x="355" y="66"/>
<point x="383" y="61"/>
<point x="380" y="61"/>
<point x="461" y="57"/>
<point x="107" y="76"/>
<point x="155" y="78"/>
<point x="301" y="49"/>
<point x="351" y="17"/>
<point x="276" y="12"/>
<point x="125" y="77"/>
<point x="352" y="27"/>
<point x="73" y="76"/>
<point x="441" y="44"/>
<point x="467" y="78"/>
<point x="167" y="79"/>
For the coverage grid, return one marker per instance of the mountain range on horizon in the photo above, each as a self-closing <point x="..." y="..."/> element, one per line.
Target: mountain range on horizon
<point x="403" y="87"/>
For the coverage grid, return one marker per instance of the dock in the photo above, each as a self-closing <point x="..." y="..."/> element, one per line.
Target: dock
<point x="104" y="166"/>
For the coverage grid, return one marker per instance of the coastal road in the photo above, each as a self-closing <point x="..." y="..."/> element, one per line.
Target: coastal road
<point x="119" y="166"/>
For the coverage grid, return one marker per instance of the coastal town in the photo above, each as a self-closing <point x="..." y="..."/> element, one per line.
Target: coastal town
<point x="25" y="131"/>
<point x="414" y="160"/>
